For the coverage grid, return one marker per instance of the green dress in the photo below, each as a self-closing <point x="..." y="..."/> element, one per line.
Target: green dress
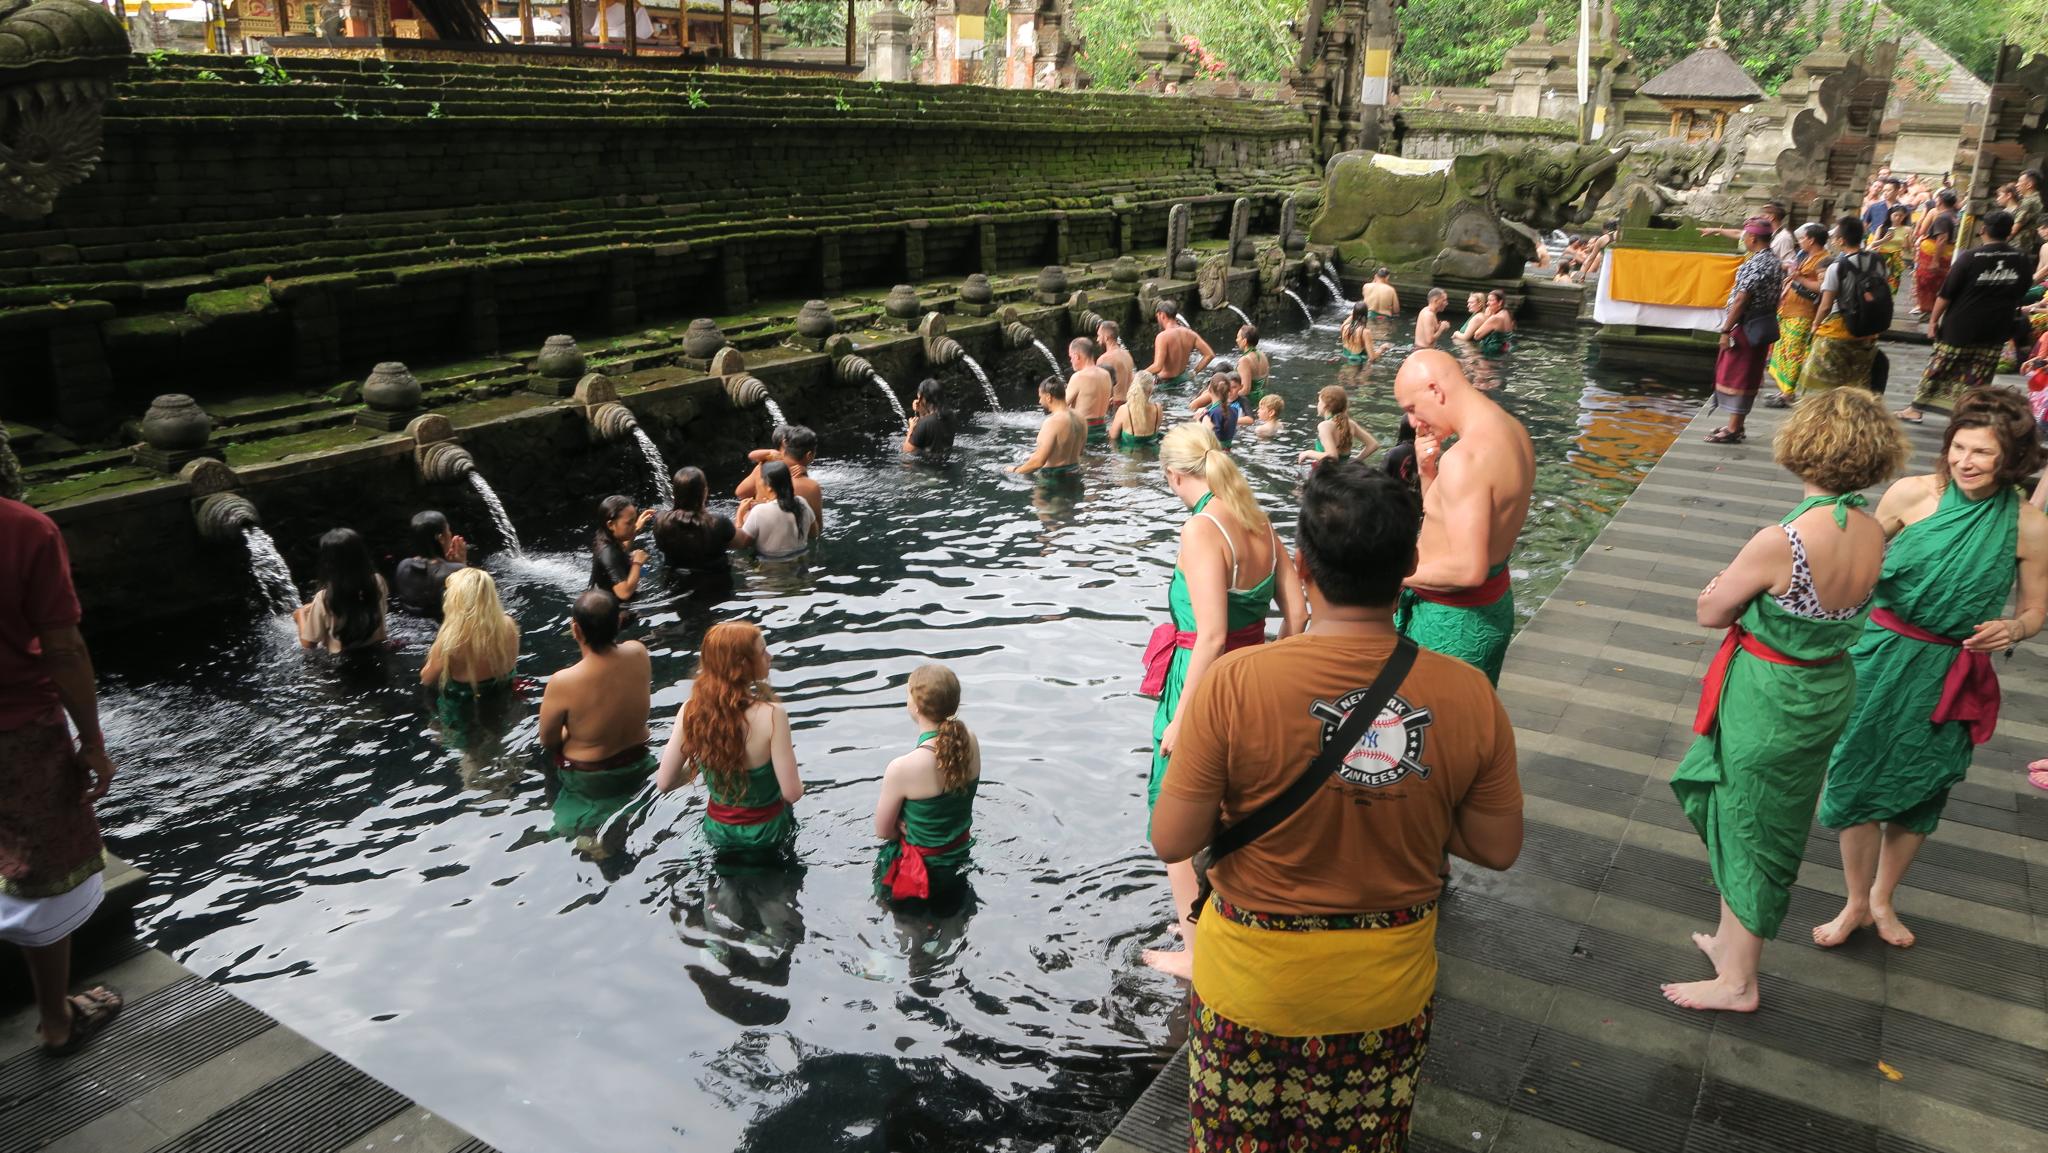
<point x="467" y="710"/>
<point x="1947" y="574"/>
<point x="1478" y="636"/>
<point x="1246" y="608"/>
<point x="931" y="822"/>
<point x="1750" y="785"/>
<point x="769" y="839"/>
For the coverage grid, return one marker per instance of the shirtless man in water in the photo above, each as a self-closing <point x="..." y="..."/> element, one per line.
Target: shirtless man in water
<point x="1430" y="324"/>
<point x="1115" y="360"/>
<point x="1474" y="500"/>
<point x="1060" y="439"/>
<point x="1088" y="391"/>
<point x="593" y="715"/>
<point x="1379" y="295"/>
<point x="1171" y="347"/>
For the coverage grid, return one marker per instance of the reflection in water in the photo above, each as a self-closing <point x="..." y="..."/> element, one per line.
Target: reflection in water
<point x="318" y="824"/>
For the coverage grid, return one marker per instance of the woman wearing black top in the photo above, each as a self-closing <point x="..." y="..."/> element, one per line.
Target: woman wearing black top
<point x="612" y="568"/>
<point x="930" y="435"/>
<point x="693" y="540"/>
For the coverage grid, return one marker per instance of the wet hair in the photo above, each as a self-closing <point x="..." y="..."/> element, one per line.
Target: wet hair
<point x="1084" y="346"/>
<point x="474" y="624"/>
<point x="349" y="581"/>
<point x="596" y="615"/>
<point x="1849" y="227"/>
<point x="426" y="531"/>
<point x="1271" y="402"/>
<point x="1335" y="405"/>
<point x="1053" y="386"/>
<point x="714" y="721"/>
<point x="1472" y="296"/>
<point x="1841" y="440"/>
<point x="932" y="393"/>
<point x="1400" y="463"/>
<point x="2006" y="413"/>
<point x="1249" y="333"/>
<point x="1361" y="313"/>
<point x="935" y="694"/>
<point x="1436" y="294"/>
<point x="691" y="490"/>
<point x="1357" y="533"/>
<point x="1166" y="308"/>
<point x="1815" y="231"/>
<point x="611" y="509"/>
<point x="1998" y="225"/>
<point x="1138" y="397"/>
<point x="1382" y="270"/>
<point x="1108" y="328"/>
<point x="1191" y="449"/>
<point x="800" y="442"/>
<point x="779" y="435"/>
<point x="782" y="485"/>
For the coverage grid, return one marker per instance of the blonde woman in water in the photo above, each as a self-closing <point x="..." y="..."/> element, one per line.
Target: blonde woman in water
<point x="1137" y="421"/>
<point x="470" y="663"/>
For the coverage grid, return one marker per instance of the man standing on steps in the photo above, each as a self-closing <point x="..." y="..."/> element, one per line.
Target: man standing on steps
<point x="1115" y="360"/>
<point x="1089" y="388"/>
<point x="1475" y="496"/>
<point x="1171" y="347"/>
<point x="1972" y="318"/>
<point x="50" y="852"/>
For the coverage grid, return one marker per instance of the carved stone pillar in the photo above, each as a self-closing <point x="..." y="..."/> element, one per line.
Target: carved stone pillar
<point x="1020" y="60"/>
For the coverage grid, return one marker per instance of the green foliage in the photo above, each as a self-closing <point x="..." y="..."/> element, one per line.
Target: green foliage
<point x="813" y="23"/>
<point x="695" y="96"/>
<point x="2027" y="24"/>
<point x="1970" y="30"/>
<point x="1248" y="37"/>
<point x="269" y="71"/>
<point x="156" y="60"/>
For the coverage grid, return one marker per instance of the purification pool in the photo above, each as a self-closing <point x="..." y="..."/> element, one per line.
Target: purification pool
<point x="321" y="848"/>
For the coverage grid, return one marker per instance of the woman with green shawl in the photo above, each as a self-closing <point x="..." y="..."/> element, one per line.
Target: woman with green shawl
<point x="735" y="732"/>
<point x="1926" y="692"/>
<point x="925" y="815"/>
<point x="1778" y="693"/>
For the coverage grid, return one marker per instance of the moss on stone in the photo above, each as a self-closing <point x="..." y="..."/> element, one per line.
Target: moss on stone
<point x="210" y="307"/>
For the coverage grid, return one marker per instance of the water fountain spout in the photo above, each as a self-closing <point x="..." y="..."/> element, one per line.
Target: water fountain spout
<point x="746" y="391"/>
<point x="439" y="459"/>
<point x="940" y="350"/>
<point x="850" y="369"/>
<point x="222" y="517"/>
<point x="1086" y="320"/>
<point x="1239" y="311"/>
<point x="1017" y="335"/>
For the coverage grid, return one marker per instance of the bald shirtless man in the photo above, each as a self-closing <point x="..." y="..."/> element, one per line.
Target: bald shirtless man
<point x="593" y="717"/>
<point x="1171" y="347"/>
<point x="1474" y="500"/>
<point x="1115" y="360"/>
<point x="1089" y="388"/>
<point x="1060" y="439"/>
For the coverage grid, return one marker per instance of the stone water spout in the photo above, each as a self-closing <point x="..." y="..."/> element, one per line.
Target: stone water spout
<point x="221" y="513"/>
<point x="851" y="369"/>
<point x="610" y="421"/>
<point x="940" y="350"/>
<point x="439" y="459"/>
<point x="1086" y="321"/>
<point x="746" y="391"/>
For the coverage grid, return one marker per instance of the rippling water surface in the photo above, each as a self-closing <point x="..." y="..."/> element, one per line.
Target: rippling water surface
<point x="318" y="844"/>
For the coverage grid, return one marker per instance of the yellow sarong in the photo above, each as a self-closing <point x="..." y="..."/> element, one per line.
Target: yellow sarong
<point x="1295" y="983"/>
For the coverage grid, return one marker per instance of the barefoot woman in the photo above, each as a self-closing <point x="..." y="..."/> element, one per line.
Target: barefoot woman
<point x="1775" y="701"/>
<point x="1925" y="689"/>
<point x="1230" y="572"/>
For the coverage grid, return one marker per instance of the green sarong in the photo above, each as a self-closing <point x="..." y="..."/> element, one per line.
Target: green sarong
<point x="1750" y="784"/>
<point x="1947" y="574"/>
<point x="1350" y="357"/>
<point x="589" y="795"/>
<point x="754" y="826"/>
<point x="1125" y="440"/>
<point x="1495" y="344"/>
<point x="1477" y="635"/>
<point x="934" y="823"/>
<point x="468" y="711"/>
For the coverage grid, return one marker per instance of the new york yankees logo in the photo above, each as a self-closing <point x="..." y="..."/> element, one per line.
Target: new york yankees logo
<point x="1391" y="748"/>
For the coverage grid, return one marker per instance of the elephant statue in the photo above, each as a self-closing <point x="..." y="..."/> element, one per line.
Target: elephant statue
<point x="58" y="63"/>
<point x="1474" y="217"/>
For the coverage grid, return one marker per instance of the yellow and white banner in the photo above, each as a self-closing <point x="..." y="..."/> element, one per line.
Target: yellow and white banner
<point x="1660" y="289"/>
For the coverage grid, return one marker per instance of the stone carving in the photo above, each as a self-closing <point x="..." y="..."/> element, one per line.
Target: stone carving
<point x="1272" y="269"/>
<point x="391" y="397"/>
<point x="174" y="432"/>
<point x="1212" y="280"/>
<point x="1680" y="177"/>
<point x="1291" y="237"/>
<point x="1833" y="137"/>
<point x="1471" y="217"/>
<point x="58" y="63"/>
<point x="1178" y="227"/>
<point x="1241" y="229"/>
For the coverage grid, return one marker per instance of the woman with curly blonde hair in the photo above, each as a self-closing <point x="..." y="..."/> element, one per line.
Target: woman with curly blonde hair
<point x="926" y="811"/>
<point x="735" y="732"/>
<point x="470" y="662"/>
<point x="1780" y="690"/>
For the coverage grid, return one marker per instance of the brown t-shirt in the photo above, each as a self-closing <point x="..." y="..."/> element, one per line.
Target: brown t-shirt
<point x="1373" y="839"/>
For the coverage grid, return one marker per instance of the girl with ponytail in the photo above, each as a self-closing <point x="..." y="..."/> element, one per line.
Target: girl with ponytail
<point x="925" y="814"/>
<point x="735" y="732"/>
<point x="1338" y="436"/>
<point x="1231" y="570"/>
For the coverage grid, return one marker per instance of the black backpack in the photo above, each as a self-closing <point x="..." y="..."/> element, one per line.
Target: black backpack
<point x="1865" y="296"/>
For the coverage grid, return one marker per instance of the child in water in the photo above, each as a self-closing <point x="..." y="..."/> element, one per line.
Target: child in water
<point x="925" y="815"/>
<point x="1270" y="407"/>
<point x="1215" y="405"/>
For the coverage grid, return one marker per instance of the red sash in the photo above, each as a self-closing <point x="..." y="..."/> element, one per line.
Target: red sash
<point x="742" y="815"/>
<point x="1166" y="638"/>
<point x="908" y="878"/>
<point x="1970" y="691"/>
<point x="1485" y="593"/>
<point x="1717" y="673"/>
<point x="1095" y="421"/>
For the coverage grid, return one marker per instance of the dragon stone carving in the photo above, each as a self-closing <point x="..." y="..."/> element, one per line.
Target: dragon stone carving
<point x="59" y="60"/>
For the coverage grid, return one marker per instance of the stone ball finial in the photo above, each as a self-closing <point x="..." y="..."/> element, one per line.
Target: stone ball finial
<point x="814" y="320"/>
<point x="1539" y="32"/>
<point x="1124" y="271"/>
<point x="703" y="339"/>
<point x="176" y="423"/>
<point x="1052" y="282"/>
<point x="430" y="427"/>
<point x="560" y="358"/>
<point x="595" y="388"/>
<point x="901" y="303"/>
<point x="976" y="289"/>
<point x="391" y="387"/>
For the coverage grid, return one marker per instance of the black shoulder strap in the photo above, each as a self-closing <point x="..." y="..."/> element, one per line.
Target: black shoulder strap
<point x="1269" y="815"/>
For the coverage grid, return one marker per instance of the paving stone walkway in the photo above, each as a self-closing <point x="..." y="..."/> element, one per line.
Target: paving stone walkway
<point x="1550" y="1031"/>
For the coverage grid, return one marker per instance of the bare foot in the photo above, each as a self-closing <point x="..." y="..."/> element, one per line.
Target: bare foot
<point x="1850" y="919"/>
<point x="1710" y="946"/>
<point x="1891" y="928"/>
<point x="1715" y="994"/>
<point x="1172" y="962"/>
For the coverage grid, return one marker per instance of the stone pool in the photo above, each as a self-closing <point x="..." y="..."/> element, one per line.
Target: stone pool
<point x="319" y="845"/>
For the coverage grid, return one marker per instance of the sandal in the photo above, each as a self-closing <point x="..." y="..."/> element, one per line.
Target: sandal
<point x="1723" y="436"/>
<point x="1916" y="417"/>
<point x="2037" y="774"/>
<point x="91" y="1011"/>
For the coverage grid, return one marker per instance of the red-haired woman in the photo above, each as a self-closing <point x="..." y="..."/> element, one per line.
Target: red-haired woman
<point x="734" y="731"/>
<point x="926" y="810"/>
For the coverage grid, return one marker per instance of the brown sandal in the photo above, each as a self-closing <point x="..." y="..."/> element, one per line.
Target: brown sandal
<point x="91" y="1011"/>
<point x="1724" y="436"/>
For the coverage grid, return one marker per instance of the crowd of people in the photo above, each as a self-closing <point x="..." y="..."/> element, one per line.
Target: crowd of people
<point x="1329" y="773"/>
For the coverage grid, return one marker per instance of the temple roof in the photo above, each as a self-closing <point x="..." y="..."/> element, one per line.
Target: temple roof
<point x="1708" y="74"/>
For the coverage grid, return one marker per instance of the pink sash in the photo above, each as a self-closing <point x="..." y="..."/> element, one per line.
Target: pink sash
<point x="1166" y="638"/>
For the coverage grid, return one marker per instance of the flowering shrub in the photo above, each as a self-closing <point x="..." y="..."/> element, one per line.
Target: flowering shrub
<point x="1206" y="62"/>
